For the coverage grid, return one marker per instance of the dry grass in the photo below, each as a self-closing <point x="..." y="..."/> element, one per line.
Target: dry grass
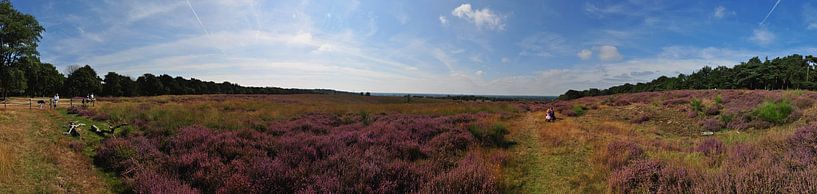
<point x="35" y="157"/>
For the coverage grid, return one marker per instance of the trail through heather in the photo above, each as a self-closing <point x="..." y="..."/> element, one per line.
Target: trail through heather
<point x="537" y="169"/>
<point x="35" y="156"/>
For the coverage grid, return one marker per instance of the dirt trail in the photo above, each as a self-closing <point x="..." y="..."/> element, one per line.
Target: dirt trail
<point x="35" y="157"/>
<point x="545" y="164"/>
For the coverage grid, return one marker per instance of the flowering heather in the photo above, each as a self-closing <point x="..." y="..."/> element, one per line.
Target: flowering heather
<point x="711" y="124"/>
<point x="622" y="153"/>
<point x="710" y="147"/>
<point x="649" y="176"/>
<point x="395" y="153"/>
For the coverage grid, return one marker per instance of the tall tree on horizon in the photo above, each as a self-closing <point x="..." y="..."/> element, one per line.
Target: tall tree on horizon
<point x="19" y="35"/>
<point x="83" y="81"/>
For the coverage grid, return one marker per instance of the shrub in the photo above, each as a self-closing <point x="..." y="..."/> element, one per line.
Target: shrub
<point x="710" y="147"/>
<point x="718" y="100"/>
<point x="774" y="112"/>
<point x="641" y="119"/>
<point x="726" y="119"/>
<point x="490" y="136"/>
<point x="713" y="111"/>
<point x="712" y="125"/>
<point x="649" y="176"/>
<point x="696" y="105"/>
<point x="579" y="110"/>
<point x="622" y="153"/>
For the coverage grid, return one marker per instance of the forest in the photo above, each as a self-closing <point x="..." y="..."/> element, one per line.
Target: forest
<point x="790" y="72"/>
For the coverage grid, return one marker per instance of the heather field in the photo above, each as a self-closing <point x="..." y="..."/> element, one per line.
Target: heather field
<point x="702" y="141"/>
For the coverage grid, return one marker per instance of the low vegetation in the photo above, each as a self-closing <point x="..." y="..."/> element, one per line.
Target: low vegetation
<point x="303" y="143"/>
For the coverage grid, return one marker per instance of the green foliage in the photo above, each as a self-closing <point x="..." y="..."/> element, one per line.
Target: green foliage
<point x="718" y="99"/>
<point x="775" y="112"/>
<point x="791" y="72"/>
<point x="579" y="110"/>
<point x="490" y="136"/>
<point x="696" y="105"/>
<point x="726" y="118"/>
<point x="19" y="34"/>
<point x="83" y="81"/>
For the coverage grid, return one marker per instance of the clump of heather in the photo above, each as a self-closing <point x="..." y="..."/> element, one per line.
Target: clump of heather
<point x="650" y="176"/>
<point x="622" y="153"/>
<point x="641" y="119"/>
<point x="315" y="153"/>
<point x="712" y="124"/>
<point x="710" y="147"/>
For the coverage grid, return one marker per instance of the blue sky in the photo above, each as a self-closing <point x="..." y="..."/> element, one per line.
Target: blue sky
<point x="420" y="46"/>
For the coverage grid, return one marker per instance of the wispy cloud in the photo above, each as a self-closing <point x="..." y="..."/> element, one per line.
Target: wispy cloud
<point x="810" y="16"/>
<point x="762" y="36"/>
<point x="770" y="13"/>
<point x="585" y="54"/>
<point x="443" y="20"/>
<point x="201" y="24"/>
<point x="480" y="17"/>
<point x="543" y="44"/>
<point x="720" y="12"/>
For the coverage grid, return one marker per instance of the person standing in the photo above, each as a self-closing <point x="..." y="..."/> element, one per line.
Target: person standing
<point x="56" y="100"/>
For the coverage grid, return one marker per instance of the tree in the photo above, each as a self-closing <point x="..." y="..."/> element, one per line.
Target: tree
<point x="19" y="35"/>
<point x="43" y="78"/>
<point x="83" y="81"/>
<point x="150" y="85"/>
<point x="112" y="85"/>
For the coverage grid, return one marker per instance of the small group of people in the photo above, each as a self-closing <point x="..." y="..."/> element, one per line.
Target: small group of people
<point x="551" y="115"/>
<point x="89" y="99"/>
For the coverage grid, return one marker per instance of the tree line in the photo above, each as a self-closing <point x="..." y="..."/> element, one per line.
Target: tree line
<point x="43" y="79"/>
<point x="23" y="74"/>
<point x="790" y="72"/>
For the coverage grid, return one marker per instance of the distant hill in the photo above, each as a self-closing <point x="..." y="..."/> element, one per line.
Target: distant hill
<point x="791" y="72"/>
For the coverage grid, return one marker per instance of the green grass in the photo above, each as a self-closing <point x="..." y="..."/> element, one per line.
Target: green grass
<point x="579" y="110"/>
<point x="775" y="112"/>
<point x="696" y="104"/>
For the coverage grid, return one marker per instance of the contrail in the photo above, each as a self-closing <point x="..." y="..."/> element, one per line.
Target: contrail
<point x="770" y="13"/>
<point x="199" y="19"/>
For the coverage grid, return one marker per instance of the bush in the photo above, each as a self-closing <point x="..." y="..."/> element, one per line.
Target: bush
<point x="578" y="110"/>
<point x="622" y="153"/>
<point x="490" y="136"/>
<point x="649" y="176"/>
<point x="641" y="119"/>
<point x="696" y="105"/>
<point x="718" y="100"/>
<point x="710" y="147"/>
<point x="774" y="112"/>
<point x="711" y="125"/>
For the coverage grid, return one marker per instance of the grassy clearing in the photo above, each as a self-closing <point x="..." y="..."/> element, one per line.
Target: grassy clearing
<point x="35" y="156"/>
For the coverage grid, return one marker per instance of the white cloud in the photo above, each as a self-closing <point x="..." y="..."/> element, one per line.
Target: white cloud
<point x="810" y="16"/>
<point x="480" y="17"/>
<point x="443" y="20"/>
<point x="585" y="54"/>
<point x="720" y="11"/>
<point x="609" y="53"/>
<point x="762" y="36"/>
<point x="505" y="60"/>
<point x="479" y="73"/>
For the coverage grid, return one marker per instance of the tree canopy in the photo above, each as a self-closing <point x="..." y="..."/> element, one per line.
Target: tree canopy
<point x="19" y="35"/>
<point x="790" y="72"/>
